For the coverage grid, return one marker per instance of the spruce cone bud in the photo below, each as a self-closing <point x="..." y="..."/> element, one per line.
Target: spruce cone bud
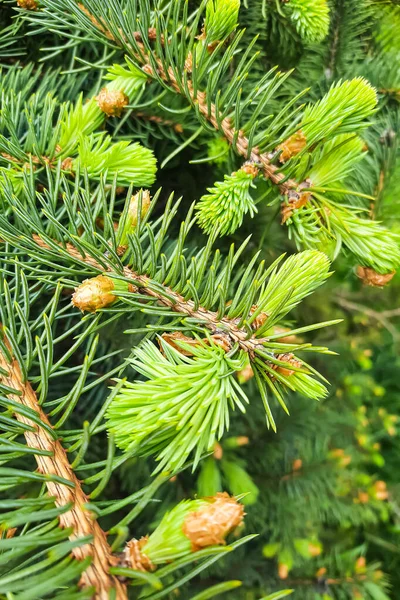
<point x="232" y="443"/>
<point x="94" y="294"/>
<point x="67" y="164"/>
<point x="242" y="440"/>
<point x="370" y="277"/>
<point x="211" y="524"/>
<point x="28" y="4"/>
<point x="218" y="452"/>
<point x="112" y="102"/>
<point x="297" y="464"/>
<point x="380" y="490"/>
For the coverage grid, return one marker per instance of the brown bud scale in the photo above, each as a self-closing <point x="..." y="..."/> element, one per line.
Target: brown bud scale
<point x="370" y="277"/>
<point x="296" y="201"/>
<point x="133" y="558"/>
<point x="112" y="102"/>
<point x="292" y="146"/>
<point x="260" y="318"/>
<point x="289" y="358"/>
<point x="28" y="4"/>
<point x="210" y="525"/>
<point x="250" y="169"/>
<point x="177" y="336"/>
<point x="67" y="163"/>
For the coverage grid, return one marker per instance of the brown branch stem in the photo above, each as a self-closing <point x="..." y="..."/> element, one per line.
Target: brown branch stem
<point x="156" y="119"/>
<point x="97" y="575"/>
<point x="381" y="317"/>
<point x="226" y="327"/>
<point x="270" y="171"/>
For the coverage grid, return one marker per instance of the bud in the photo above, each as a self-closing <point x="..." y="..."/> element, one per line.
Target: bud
<point x="218" y="452"/>
<point x="296" y="201"/>
<point x="242" y="440"/>
<point x="340" y="455"/>
<point x="133" y="558"/>
<point x="360" y="565"/>
<point x="321" y="572"/>
<point x="222" y="340"/>
<point x="128" y="224"/>
<point x="211" y="524"/>
<point x="96" y="293"/>
<point x="380" y="490"/>
<point x="260" y="318"/>
<point x="250" y="168"/>
<point x="287" y="339"/>
<point x="292" y="146"/>
<point x="362" y="498"/>
<point x="286" y="371"/>
<point x="11" y="532"/>
<point x="283" y="571"/>
<point x="67" y="164"/>
<point x="297" y="464"/>
<point x="112" y="102"/>
<point x="188" y="527"/>
<point x="245" y="374"/>
<point x="232" y="443"/>
<point x="370" y="277"/>
<point x="314" y="549"/>
<point x="28" y="4"/>
<point x="177" y="336"/>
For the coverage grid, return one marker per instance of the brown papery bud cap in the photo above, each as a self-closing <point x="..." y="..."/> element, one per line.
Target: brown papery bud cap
<point x="292" y="146"/>
<point x="370" y="277"/>
<point x="210" y="525"/>
<point x="133" y="558"/>
<point x="28" y="4"/>
<point x="112" y="102"/>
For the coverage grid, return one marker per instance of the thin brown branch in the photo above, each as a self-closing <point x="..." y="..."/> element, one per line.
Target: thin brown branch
<point x="78" y="518"/>
<point x="226" y="328"/>
<point x="270" y="171"/>
<point x="156" y="119"/>
<point x="380" y="317"/>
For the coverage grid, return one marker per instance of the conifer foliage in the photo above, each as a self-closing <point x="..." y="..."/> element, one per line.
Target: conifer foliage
<point x="153" y="355"/>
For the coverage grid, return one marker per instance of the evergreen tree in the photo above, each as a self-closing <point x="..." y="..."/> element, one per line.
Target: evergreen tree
<point x="195" y="196"/>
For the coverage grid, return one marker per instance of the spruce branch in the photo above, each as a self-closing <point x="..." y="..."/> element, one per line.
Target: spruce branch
<point x="154" y="67"/>
<point x="228" y="327"/>
<point x="78" y="518"/>
<point x="344" y="109"/>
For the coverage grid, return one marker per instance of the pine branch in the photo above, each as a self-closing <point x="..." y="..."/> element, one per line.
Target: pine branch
<point x="97" y="575"/>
